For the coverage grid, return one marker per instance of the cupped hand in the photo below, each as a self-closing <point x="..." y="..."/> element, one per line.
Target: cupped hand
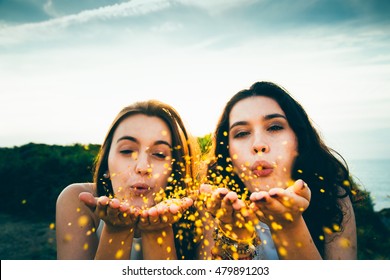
<point x="281" y="206"/>
<point x="163" y="214"/>
<point x="114" y="213"/>
<point x="231" y="213"/>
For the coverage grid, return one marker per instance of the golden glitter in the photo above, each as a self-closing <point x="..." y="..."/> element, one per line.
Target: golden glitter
<point x="68" y="237"/>
<point x="137" y="247"/>
<point x="344" y="242"/>
<point x="85" y="247"/>
<point x="288" y="217"/>
<point x="282" y="251"/>
<point x="346" y="183"/>
<point x="160" y="240"/>
<point x="164" y="133"/>
<point x="235" y="156"/>
<point x="327" y="230"/>
<point x="78" y="209"/>
<point x="276" y="226"/>
<point x="52" y="226"/>
<point x="300" y="171"/>
<point x="322" y="190"/>
<point x="24" y="201"/>
<point x="83" y="220"/>
<point x="119" y="254"/>
<point x="198" y="223"/>
<point x="169" y="249"/>
<point x="225" y="133"/>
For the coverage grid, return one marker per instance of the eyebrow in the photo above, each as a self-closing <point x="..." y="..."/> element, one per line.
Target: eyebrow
<point x="135" y="140"/>
<point x="266" y="117"/>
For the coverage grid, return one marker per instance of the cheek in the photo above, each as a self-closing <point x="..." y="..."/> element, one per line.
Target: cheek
<point x="161" y="174"/>
<point x="289" y="153"/>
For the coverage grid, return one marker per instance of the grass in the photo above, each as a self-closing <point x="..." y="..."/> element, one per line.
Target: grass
<point x="26" y="240"/>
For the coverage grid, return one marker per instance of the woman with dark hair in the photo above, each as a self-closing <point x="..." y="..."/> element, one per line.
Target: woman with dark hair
<point x="275" y="189"/>
<point x="142" y="195"/>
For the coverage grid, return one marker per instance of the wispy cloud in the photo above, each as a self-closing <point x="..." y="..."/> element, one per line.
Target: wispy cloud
<point x="14" y="34"/>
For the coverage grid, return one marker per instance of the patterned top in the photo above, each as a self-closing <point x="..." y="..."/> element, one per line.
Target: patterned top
<point x="266" y="250"/>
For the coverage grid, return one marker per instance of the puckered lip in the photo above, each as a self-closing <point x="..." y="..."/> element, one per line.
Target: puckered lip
<point x="140" y="188"/>
<point x="262" y="168"/>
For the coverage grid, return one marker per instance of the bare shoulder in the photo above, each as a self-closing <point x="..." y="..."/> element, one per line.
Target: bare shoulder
<point x="70" y="194"/>
<point x="69" y="207"/>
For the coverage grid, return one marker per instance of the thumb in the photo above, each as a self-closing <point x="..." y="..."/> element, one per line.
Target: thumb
<point x="302" y="189"/>
<point x="88" y="199"/>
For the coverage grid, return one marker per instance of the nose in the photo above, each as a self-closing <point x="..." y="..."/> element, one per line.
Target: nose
<point x="260" y="146"/>
<point x="142" y="166"/>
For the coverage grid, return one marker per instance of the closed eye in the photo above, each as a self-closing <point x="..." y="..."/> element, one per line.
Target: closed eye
<point x="241" y="134"/>
<point x="126" y="152"/>
<point x="275" y="127"/>
<point x="159" y="155"/>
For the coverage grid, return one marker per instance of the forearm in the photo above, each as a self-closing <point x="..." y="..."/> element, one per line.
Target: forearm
<point x="159" y="244"/>
<point x="115" y="244"/>
<point x="294" y="242"/>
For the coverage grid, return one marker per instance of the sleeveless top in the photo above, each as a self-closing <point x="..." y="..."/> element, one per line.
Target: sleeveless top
<point x="266" y="249"/>
<point x="136" y="249"/>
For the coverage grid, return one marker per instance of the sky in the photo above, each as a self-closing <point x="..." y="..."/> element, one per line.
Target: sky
<point x="68" y="67"/>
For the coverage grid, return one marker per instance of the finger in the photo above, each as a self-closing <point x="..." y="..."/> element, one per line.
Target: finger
<point x="302" y="189"/>
<point x="227" y="204"/>
<point x="187" y="202"/>
<point x="214" y="203"/>
<point x="284" y="196"/>
<point x="89" y="200"/>
<point x="174" y="209"/>
<point x="103" y="200"/>
<point x="205" y="189"/>
<point x="115" y="203"/>
<point x="258" y="197"/>
<point x="123" y="208"/>
<point x="238" y="205"/>
<point x="153" y="215"/>
<point x="161" y="208"/>
<point x="152" y="212"/>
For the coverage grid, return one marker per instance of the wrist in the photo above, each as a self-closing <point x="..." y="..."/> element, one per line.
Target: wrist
<point x="229" y="248"/>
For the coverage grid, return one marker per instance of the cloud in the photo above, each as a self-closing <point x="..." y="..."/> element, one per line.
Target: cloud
<point x="13" y="34"/>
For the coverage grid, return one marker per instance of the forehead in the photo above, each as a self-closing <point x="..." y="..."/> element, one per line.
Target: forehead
<point x="145" y="127"/>
<point x="254" y="106"/>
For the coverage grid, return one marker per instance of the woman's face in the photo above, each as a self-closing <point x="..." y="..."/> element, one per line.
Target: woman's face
<point x="262" y="145"/>
<point x="140" y="159"/>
